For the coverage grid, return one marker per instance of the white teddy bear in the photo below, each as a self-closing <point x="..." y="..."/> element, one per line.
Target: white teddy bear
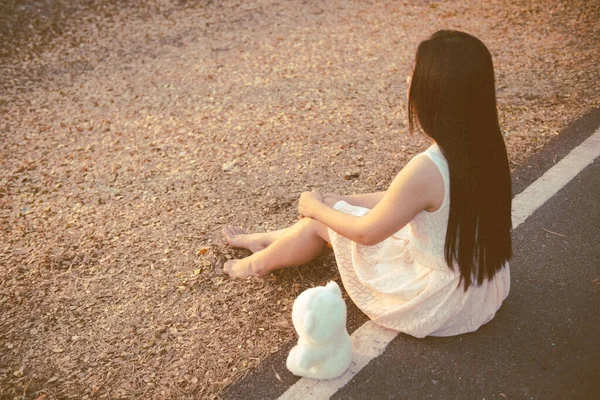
<point x="324" y="348"/>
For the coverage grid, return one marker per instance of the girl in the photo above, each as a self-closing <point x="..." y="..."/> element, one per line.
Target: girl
<point x="429" y="256"/>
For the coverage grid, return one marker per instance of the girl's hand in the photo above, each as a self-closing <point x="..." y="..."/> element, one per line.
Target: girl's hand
<point x="308" y="203"/>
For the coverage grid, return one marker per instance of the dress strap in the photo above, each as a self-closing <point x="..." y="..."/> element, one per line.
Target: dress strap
<point x="435" y="154"/>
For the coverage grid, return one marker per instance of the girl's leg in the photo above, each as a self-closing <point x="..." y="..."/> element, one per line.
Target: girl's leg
<point x="238" y="237"/>
<point x="297" y="245"/>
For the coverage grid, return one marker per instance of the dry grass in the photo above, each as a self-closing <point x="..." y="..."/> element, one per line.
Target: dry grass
<point x="114" y="191"/>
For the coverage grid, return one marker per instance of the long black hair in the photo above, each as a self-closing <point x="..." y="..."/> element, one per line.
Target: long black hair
<point x="452" y="99"/>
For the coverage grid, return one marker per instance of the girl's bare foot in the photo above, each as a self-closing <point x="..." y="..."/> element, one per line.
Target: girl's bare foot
<point x="238" y="237"/>
<point x="241" y="268"/>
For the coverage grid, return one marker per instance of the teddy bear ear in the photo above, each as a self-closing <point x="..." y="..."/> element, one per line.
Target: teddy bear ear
<point x="333" y="287"/>
<point x="308" y="321"/>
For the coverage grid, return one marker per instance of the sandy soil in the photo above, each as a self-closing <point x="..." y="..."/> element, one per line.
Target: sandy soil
<point x="130" y="136"/>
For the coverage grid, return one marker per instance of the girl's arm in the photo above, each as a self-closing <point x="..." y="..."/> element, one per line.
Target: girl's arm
<point x="417" y="187"/>
<point x="367" y="200"/>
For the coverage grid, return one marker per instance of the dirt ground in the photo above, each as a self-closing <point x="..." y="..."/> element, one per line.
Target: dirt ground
<point x="131" y="134"/>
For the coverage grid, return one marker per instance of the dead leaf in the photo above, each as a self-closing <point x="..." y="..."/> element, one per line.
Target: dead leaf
<point x="276" y="374"/>
<point x="228" y="166"/>
<point x="351" y="175"/>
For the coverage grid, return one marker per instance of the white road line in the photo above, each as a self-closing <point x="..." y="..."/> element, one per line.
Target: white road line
<point x="370" y="340"/>
<point x="532" y="198"/>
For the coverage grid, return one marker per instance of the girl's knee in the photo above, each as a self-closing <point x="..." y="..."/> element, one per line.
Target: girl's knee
<point x="317" y="228"/>
<point x="311" y="223"/>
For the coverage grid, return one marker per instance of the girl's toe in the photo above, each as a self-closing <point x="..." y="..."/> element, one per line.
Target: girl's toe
<point x="227" y="267"/>
<point x="239" y="230"/>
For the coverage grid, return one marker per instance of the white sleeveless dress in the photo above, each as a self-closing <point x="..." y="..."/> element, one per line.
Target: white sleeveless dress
<point x="404" y="282"/>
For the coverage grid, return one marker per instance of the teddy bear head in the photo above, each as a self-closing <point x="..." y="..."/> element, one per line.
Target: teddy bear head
<point x="319" y="313"/>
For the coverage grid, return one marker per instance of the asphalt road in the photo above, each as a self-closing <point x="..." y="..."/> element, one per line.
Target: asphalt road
<point x="542" y="344"/>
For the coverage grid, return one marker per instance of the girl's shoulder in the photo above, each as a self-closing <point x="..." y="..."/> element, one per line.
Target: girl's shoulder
<point x="427" y="170"/>
<point x="431" y="161"/>
<point x="434" y="153"/>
